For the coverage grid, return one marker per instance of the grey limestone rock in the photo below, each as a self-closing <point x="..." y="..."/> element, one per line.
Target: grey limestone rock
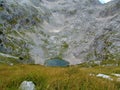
<point x="27" y="85"/>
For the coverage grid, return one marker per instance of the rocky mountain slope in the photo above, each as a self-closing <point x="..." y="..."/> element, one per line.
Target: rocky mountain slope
<point x="74" y="30"/>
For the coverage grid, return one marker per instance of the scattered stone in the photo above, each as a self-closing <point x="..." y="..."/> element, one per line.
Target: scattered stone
<point x="104" y="76"/>
<point x="118" y="80"/>
<point x="91" y="74"/>
<point x="27" y="85"/>
<point x="117" y="75"/>
<point x="97" y="62"/>
<point x="11" y="64"/>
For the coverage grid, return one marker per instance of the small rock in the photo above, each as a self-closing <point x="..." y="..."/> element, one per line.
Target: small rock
<point x="118" y="80"/>
<point x="117" y="75"/>
<point x="91" y="74"/>
<point x="27" y="85"/>
<point x="11" y="64"/>
<point x="104" y="76"/>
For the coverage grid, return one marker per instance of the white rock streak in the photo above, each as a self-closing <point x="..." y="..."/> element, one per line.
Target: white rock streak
<point x="104" y="76"/>
<point x="7" y="55"/>
<point x="117" y="75"/>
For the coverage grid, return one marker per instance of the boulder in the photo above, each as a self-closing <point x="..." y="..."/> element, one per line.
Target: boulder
<point x="27" y="85"/>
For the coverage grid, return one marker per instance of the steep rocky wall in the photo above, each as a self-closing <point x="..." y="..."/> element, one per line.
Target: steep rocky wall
<point x="16" y="19"/>
<point x="74" y="30"/>
<point x="106" y="44"/>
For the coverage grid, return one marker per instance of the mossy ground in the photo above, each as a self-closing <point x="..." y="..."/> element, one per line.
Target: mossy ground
<point x="58" y="78"/>
<point x="8" y="60"/>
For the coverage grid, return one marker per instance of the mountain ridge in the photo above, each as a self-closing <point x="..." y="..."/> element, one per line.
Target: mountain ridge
<point x="74" y="30"/>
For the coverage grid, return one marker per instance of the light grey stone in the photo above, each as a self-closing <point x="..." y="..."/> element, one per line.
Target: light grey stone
<point x="27" y="85"/>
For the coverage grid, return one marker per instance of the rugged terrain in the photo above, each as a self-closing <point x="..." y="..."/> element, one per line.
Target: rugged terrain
<point x="32" y="31"/>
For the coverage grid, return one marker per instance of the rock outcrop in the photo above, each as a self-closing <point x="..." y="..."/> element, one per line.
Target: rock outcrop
<point x="74" y="30"/>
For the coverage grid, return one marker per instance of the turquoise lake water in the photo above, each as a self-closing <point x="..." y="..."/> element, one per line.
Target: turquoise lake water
<point x="56" y="62"/>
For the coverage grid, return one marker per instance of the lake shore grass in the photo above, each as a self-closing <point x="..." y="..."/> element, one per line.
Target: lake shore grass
<point x="58" y="78"/>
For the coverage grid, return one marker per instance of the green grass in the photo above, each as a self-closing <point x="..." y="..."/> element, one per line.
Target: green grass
<point x="1" y="8"/>
<point x="8" y="60"/>
<point x="57" y="78"/>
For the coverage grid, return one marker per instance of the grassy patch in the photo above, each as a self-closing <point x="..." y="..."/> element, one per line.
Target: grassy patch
<point x="8" y="60"/>
<point x="1" y="8"/>
<point x="49" y="78"/>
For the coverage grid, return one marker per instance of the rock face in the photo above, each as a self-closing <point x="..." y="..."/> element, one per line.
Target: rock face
<point x="27" y="85"/>
<point x="74" y="30"/>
